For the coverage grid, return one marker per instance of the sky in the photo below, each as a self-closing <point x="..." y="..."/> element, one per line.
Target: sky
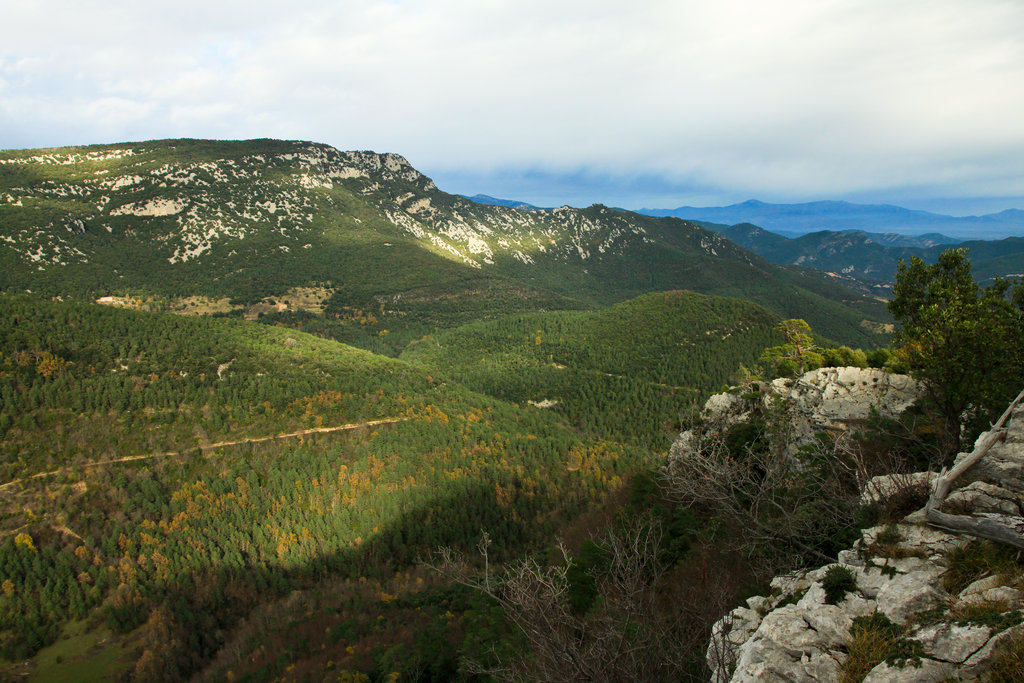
<point x="646" y="103"/>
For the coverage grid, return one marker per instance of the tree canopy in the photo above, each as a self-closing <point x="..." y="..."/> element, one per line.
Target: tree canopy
<point x="797" y="355"/>
<point x="963" y="340"/>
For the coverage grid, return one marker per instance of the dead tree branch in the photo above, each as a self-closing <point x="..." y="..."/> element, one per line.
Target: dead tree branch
<point x="1006" y="529"/>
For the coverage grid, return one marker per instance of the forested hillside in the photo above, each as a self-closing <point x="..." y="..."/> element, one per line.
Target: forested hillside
<point x="633" y="370"/>
<point x="247" y="222"/>
<point x="189" y="538"/>
<point x="312" y="369"/>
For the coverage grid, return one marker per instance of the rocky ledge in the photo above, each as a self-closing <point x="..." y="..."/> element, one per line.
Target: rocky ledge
<point x="827" y="399"/>
<point x="906" y="603"/>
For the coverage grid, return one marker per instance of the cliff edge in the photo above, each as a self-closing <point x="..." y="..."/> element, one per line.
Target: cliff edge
<point x="907" y="602"/>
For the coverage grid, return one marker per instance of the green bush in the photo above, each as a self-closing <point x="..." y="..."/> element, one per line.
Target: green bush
<point x="837" y="583"/>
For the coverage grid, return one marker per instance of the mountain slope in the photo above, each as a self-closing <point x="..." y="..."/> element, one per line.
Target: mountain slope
<point x="861" y="255"/>
<point x="250" y="220"/>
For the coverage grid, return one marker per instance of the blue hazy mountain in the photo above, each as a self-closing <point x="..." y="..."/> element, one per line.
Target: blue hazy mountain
<point x="494" y="201"/>
<point x="800" y="219"/>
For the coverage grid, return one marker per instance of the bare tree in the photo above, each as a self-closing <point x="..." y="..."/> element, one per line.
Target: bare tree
<point x="767" y="497"/>
<point x="628" y="635"/>
<point x="1008" y="529"/>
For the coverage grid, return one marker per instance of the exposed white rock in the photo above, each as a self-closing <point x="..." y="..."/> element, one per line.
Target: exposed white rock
<point x="544" y="403"/>
<point x="925" y="671"/>
<point x="1003" y="466"/>
<point x="980" y="586"/>
<point x="152" y="207"/>
<point x="794" y="635"/>
<point x="908" y="594"/>
<point x="789" y="639"/>
<point x="827" y="399"/>
<point x="1003" y="595"/>
<point x="982" y="496"/>
<point x="980" y="662"/>
<point x="837" y="398"/>
<point x="950" y="642"/>
<point x="924" y="540"/>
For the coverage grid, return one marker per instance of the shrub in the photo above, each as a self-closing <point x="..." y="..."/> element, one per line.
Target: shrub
<point x="905" y="500"/>
<point x="889" y="536"/>
<point x="838" y="581"/>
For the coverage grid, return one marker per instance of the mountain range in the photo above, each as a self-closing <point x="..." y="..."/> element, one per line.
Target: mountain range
<point x="246" y="222"/>
<point x="868" y="261"/>
<point x="798" y="219"/>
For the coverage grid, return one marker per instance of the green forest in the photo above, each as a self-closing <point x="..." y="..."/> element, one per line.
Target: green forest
<point x="331" y="408"/>
<point x="196" y="534"/>
<point x="166" y="477"/>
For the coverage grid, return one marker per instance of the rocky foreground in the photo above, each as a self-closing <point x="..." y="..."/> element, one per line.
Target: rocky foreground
<point x="908" y="602"/>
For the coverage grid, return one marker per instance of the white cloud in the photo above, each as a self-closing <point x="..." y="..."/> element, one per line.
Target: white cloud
<point x="802" y="98"/>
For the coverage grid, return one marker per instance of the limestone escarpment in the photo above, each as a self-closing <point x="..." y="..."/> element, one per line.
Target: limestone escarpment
<point x="826" y="399"/>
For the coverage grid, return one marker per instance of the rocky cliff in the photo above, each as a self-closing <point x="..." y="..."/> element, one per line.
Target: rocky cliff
<point x="907" y="602"/>
<point x="827" y="399"/>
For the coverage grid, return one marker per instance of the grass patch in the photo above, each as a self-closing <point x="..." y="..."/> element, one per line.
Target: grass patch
<point x="978" y="559"/>
<point x="996" y="614"/>
<point x="83" y="654"/>
<point x="875" y="639"/>
<point x="1008" y="660"/>
<point x="887" y="544"/>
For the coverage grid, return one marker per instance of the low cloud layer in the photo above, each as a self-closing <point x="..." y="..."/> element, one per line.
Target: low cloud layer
<point x="677" y="101"/>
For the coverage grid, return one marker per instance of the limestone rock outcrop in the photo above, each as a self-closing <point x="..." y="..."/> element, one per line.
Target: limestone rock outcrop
<point x="902" y="578"/>
<point x="827" y="399"/>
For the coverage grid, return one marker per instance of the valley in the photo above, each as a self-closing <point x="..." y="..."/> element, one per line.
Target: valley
<point x="250" y="388"/>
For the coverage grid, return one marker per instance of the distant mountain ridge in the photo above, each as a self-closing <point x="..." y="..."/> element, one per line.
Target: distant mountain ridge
<point x="872" y="257"/>
<point x="494" y="201"/>
<point x="840" y="216"/>
<point x="251" y="220"/>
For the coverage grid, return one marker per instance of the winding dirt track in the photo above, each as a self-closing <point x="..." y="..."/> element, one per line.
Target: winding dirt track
<point x="206" y="448"/>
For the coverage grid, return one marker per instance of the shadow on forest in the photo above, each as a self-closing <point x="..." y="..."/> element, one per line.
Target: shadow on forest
<point x="184" y="624"/>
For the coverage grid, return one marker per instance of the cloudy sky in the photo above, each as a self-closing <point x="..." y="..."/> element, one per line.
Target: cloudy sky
<point x="646" y="103"/>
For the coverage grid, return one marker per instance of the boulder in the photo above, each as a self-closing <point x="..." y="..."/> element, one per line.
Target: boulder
<point x="981" y="496"/>
<point x="950" y="642"/>
<point x="908" y="594"/>
<point x="793" y="643"/>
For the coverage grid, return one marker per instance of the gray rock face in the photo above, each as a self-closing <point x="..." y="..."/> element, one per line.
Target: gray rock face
<point x="827" y="399"/>
<point x="836" y="398"/>
<point x="909" y="594"/>
<point x="927" y="671"/>
<point x="952" y="643"/>
<point x="793" y="635"/>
